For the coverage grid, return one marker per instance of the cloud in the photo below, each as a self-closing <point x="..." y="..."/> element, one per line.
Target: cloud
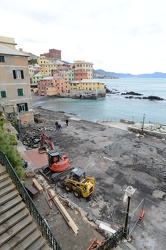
<point x="117" y="35"/>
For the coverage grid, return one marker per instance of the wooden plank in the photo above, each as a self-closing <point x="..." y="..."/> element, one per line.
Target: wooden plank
<point x="48" y="199"/>
<point x="63" y="211"/>
<point x="37" y="185"/>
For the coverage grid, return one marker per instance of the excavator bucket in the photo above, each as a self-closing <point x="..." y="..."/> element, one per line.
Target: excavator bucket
<point x="42" y="149"/>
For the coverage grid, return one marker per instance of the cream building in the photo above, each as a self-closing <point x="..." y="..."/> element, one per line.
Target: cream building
<point x="15" y="93"/>
<point x="84" y="66"/>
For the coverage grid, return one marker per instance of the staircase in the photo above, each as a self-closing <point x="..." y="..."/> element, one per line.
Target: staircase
<point x="17" y="227"/>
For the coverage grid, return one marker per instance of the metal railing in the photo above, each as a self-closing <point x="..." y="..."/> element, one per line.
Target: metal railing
<point x="112" y="241"/>
<point x="46" y="233"/>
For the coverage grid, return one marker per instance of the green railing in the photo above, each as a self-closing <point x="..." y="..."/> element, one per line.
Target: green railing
<point x="30" y="204"/>
<point x="112" y="241"/>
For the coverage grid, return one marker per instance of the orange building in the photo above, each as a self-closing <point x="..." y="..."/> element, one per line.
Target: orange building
<point x="80" y="74"/>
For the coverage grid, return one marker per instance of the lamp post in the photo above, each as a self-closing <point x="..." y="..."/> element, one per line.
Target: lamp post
<point x="143" y="122"/>
<point x="128" y="193"/>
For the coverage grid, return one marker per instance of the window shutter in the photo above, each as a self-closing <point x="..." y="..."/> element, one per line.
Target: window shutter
<point x="26" y="106"/>
<point x="22" y="74"/>
<point x="14" y="74"/>
<point x="3" y="94"/>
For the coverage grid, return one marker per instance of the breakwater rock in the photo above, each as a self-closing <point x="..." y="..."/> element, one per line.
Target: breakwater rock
<point x="132" y="94"/>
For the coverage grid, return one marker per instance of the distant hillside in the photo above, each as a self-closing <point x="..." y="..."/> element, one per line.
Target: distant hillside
<point x="100" y="73"/>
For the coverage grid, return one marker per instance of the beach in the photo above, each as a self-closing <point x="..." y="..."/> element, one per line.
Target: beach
<point x="116" y="158"/>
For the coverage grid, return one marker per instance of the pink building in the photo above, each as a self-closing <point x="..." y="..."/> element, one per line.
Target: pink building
<point x="44" y="84"/>
<point x="62" y="87"/>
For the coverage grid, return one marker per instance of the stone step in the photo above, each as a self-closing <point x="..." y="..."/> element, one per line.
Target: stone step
<point x="37" y="245"/>
<point x="3" y="177"/>
<point x="46" y="247"/>
<point x="11" y="212"/>
<point x="10" y="204"/>
<point x="11" y="233"/>
<point x="8" y="197"/>
<point x="5" y="183"/>
<point x="13" y="220"/>
<point x="118" y="248"/>
<point x="7" y="189"/>
<point x="2" y="169"/>
<point x="29" y="240"/>
<point x="17" y="239"/>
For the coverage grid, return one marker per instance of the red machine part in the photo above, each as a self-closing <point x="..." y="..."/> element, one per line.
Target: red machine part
<point x="61" y="165"/>
<point x="48" y="140"/>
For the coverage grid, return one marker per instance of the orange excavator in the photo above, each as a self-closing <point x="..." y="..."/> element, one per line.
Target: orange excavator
<point x="45" y="140"/>
<point x="56" y="163"/>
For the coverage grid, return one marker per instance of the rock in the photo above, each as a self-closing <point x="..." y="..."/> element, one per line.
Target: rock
<point x="131" y="93"/>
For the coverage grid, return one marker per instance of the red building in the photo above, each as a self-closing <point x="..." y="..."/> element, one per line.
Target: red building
<point x="80" y="74"/>
<point x="53" y="53"/>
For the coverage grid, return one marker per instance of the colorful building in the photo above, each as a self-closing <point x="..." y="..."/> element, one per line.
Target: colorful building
<point x="87" y="88"/>
<point x="80" y="75"/>
<point x="53" y="53"/>
<point x="83" y="66"/>
<point x="47" y="86"/>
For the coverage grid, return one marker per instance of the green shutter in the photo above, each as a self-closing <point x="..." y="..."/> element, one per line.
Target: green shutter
<point x="2" y="59"/>
<point x="20" y="92"/>
<point x="3" y="94"/>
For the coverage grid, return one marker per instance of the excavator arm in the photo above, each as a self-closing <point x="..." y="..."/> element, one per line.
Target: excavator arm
<point x="48" y="141"/>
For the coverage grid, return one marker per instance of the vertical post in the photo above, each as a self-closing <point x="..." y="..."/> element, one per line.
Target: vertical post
<point x="127" y="217"/>
<point x="143" y="122"/>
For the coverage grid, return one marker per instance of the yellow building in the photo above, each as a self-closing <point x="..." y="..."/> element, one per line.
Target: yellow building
<point x="87" y="88"/>
<point x="84" y="66"/>
<point x="15" y="93"/>
<point x="87" y="84"/>
<point x="46" y="65"/>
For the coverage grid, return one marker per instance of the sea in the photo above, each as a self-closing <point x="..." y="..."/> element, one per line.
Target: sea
<point x="115" y="106"/>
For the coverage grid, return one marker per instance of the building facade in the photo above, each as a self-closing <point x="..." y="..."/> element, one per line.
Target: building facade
<point x="87" y="88"/>
<point x="83" y="66"/>
<point x="15" y="93"/>
<point x="80" y="74"/>
<point x="53" y="53"/>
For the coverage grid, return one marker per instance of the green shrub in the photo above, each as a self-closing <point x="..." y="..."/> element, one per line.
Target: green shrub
<point x="2" y="122"/>
<point x="7" y="146"/>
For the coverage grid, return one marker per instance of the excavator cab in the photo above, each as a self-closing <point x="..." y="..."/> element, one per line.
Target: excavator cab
<point x="53" y="157"/>
<point x="56" y="162"/>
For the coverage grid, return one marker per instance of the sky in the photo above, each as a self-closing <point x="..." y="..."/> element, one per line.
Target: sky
<point x="122" y="36"/>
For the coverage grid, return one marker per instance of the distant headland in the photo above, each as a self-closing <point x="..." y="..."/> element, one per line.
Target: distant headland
<point x="99" y="73"/>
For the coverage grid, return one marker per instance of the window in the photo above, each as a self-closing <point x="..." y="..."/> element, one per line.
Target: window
<point x="3" y="94"/>
<point x="22" y="107"/>
<point x="18" y="74"/>
<point x="2" y="59"/>
<point x="20" y="92"/>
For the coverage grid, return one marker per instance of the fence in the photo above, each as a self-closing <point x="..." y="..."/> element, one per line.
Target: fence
<point x="30" y="204"/>
<point x="112" y="241"/>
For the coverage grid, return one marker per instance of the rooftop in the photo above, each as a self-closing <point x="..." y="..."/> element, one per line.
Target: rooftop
<point x="11" y="51"/>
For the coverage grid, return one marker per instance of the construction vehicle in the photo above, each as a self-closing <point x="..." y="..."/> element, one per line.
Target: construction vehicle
<point x="56" y="163"/>
<point x="45" y="140"/>
<point x="79" y="183"/>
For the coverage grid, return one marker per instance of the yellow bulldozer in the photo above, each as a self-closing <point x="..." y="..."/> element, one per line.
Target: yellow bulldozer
<point x="79" y="183"/>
